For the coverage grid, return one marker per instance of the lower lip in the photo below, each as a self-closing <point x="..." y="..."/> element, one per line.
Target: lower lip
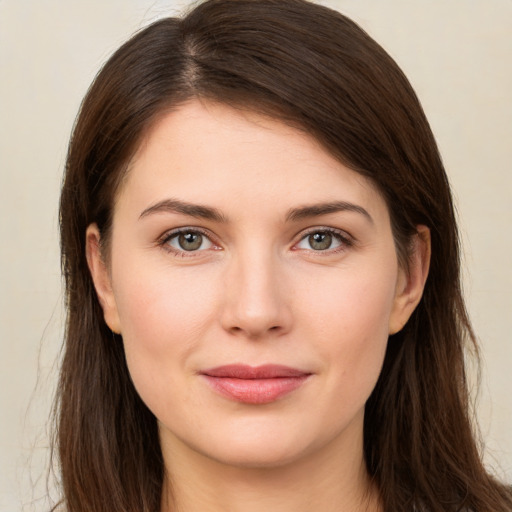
<point x="255" y="391"/>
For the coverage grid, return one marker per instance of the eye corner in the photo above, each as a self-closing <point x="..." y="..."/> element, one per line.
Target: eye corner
<point x="329" y="241"/>
<point x="199" y="241"/>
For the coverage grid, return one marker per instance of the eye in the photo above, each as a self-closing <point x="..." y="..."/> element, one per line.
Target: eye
<point x="323" y="240"/>
<point x="188" y="240"/>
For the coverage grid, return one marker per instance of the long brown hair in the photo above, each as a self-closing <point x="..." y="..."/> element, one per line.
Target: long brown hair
<point x="314" y="68"/>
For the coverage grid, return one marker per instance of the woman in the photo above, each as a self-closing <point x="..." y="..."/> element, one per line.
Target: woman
<point x="262" y="272"/>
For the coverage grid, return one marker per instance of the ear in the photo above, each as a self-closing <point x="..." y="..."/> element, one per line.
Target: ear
<point x="411" y="281"/>
<point x="101" y="278"/>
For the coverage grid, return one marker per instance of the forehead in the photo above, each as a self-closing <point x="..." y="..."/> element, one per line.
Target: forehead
<point x="210" y="153"/>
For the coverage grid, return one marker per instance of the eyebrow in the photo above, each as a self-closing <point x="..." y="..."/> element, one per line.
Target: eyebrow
<point x="294" y="214"/>
<point x="192" y="210"/>
<point x="316" y="210"/>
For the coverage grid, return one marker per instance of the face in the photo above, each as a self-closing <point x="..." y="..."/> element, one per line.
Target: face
<point x="255" y="282"/>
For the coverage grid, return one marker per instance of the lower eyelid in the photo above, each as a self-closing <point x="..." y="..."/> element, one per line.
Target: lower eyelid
<point x="164" y="241"/>
<point x="344" y="241"/>
<point x="343" y="238"/>
<point x="204" y="241"/>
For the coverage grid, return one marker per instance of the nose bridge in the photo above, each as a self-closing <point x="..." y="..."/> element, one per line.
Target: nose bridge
<point x="255" y="304"/>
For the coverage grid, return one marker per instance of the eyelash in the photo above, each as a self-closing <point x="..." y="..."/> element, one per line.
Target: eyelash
<point x="345" y="240"/>
<point x="167" y="237"/>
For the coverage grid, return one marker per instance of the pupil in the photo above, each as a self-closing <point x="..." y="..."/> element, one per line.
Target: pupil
<point x="320" y="241"/>
<point x="190" y="241"/>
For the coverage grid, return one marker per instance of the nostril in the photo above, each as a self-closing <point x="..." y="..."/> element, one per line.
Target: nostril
<point x="253" y="333"/>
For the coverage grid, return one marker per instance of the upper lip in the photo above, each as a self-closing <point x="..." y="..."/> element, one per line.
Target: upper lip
<point x="242" y="371"/>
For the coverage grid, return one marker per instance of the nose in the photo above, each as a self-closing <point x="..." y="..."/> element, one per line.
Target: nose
<point x="256" y="301"/>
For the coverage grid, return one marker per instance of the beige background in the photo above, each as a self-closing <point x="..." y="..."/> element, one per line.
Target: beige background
<point x="458" y="55"/>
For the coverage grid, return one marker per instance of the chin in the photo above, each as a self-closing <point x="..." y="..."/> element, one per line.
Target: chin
<point x="265" y="446"/>
<point x="257" y="455"/>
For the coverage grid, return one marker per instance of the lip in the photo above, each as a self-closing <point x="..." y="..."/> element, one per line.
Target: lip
<point x="254" y="384"/>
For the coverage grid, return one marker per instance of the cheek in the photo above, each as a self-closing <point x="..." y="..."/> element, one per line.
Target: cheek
<point x="157" y="305"/>
<point x="349" y="318"/>
<point x="351" y="301"/>
<point x="164" y="317"/>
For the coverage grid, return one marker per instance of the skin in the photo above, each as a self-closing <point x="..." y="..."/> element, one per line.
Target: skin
<point x="255" y="292"/>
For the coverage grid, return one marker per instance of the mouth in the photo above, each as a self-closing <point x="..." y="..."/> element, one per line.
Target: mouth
<point x="255" y="384"/>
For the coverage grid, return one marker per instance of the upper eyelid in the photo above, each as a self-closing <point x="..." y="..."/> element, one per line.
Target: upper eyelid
<point x="167" y="235"/>
<point x="347" y="241"/>
<point x="163" y="242"/>
<point x="170" y="233"/>
<point x="319" y="229"/>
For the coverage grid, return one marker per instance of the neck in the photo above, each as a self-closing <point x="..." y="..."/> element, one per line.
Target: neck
<point x="333" y="479"/>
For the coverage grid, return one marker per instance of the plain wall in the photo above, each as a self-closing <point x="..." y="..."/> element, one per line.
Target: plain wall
<point x="458" y="57"/>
